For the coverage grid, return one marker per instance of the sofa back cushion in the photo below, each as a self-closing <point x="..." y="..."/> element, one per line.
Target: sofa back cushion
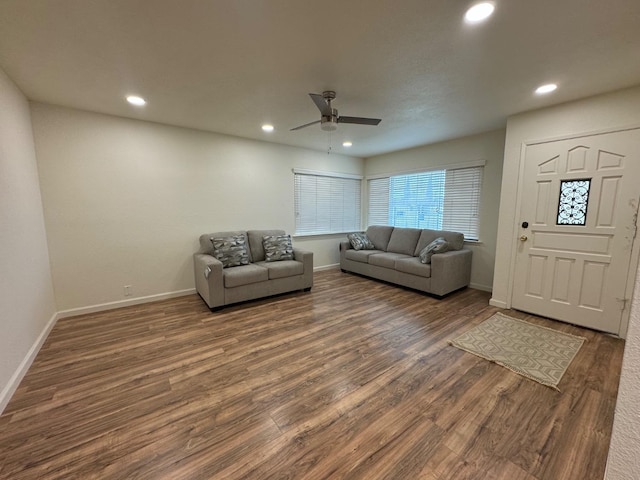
<point x="379" y="236"/>
<point x="256" y="249"/>
<point x="454" y="239"/>
<point x="404" y="240"/>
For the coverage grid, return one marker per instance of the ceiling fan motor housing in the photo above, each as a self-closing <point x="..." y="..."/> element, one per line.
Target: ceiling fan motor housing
<point x="330" y="123"/>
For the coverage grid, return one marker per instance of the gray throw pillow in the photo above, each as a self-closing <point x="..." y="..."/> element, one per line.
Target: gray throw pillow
<point x="277" y="247"/>
<point x="360" y="241"/>
<point x="439" y="245"/>
<point x="231" y="251"/>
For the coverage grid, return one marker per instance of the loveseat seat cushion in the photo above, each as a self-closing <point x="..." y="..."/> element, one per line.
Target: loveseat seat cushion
<point x="386" y="259"/>
<point x="255" y="242"/>
<point x="404" y="240"/>
<point x="454" y="239"/>
<point x="283" y="268"/>
<point x="360" y="255"/>
<point x="413" y="266"/>
<point x="244" y="275"/>
<point x="379" y="236"/>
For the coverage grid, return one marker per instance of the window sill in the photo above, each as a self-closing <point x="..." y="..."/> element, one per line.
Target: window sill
<point x="316" y="235"/>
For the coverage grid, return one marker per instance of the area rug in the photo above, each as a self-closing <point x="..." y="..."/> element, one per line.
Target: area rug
<point x="535" y="352"/>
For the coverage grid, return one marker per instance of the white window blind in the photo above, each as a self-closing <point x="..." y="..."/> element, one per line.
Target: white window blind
<point x="462" y="201"/>
<point x="326" y="204"/>
<point x="438" y="200"/>
<point x="378" y="213"/>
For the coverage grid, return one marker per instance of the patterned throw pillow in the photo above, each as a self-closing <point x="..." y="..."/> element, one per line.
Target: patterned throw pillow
<point x="439" y="245"/>
<point x="231" y="251"/>
<point x="360" y="241"/>
<point x="277" y="247"/>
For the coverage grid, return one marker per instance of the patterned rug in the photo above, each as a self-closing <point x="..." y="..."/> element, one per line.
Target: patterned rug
<point x="535" y="352"/>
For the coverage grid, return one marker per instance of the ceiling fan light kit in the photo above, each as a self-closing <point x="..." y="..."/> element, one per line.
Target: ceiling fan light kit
<point x="329" y="118"/>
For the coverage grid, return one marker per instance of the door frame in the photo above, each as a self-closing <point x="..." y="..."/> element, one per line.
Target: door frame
<point x="635" y="249"/>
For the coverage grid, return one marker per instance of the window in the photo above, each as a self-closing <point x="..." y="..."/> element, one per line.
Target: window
<point x="572" y="207"/>
<point x="326" y="202"/>
<point x="439" y="200"/>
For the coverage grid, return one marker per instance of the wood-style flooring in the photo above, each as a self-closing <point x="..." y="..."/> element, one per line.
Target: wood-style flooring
<point x="354" y="380"/>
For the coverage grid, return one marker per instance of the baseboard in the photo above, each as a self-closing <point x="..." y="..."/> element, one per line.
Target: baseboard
<point x="124" y="303"/>
<point x="23" y="368"/>
<point x="484" y="288"/>
<point x="326" y="267"/>
<point x="498" y="303"/>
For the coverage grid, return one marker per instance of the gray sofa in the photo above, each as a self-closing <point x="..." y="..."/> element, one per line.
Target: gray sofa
<point x="395" y="259"/>
<point x="220" y="286"/>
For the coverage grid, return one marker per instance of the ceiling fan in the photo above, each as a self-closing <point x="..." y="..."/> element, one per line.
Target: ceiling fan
<point x="329" y="120"/>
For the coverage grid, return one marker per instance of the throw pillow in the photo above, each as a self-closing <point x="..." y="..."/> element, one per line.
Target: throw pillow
<point x="360" y="241"/>
<point x="277" y="247"/>
<point x="439" y="245"/>
<point x="231" y="251"/>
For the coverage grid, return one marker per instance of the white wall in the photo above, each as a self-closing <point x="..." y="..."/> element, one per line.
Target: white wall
<point x="617" y="109"/>
<point x="486" y="146"/>
<point x="624" y="462"/>
<point x="26" y="293"/>
<point x="125" y="200"/>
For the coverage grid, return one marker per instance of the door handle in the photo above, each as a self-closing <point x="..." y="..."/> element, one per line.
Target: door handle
<point x="523" y="238"/>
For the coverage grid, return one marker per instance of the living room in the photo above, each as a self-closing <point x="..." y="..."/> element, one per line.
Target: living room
<point x="93" y="201"/>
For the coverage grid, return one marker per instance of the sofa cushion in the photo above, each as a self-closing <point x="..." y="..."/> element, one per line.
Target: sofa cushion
<point x="404" y="240"/>
<point x="256" y="250"/>
<point x="455" y="239"/>
<point x="277" y="248"/>
<point x="439" y="245"/>
<point x="231" y="250"/>
<point x="413" y="266"/>
<point x="360" y="241"/>
<point x="360" y="255"/>
<point x="205" y="240"/>
<point x="379" y="236"/>
<point x="244" y="275"/>
<point x="283" y="269"/>
<point x="386" y="259"/>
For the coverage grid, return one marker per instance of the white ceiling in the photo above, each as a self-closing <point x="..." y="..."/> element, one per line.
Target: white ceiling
<point x="230" y="65"/>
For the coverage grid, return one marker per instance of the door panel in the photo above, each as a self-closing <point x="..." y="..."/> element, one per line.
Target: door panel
<point x="580" y="199"/>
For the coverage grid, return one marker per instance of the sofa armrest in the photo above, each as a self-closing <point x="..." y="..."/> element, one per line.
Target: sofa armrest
<point x="209" y="279"/>
<point x="306" y="257"/>
<point x="450" y="271"/>
<point x="345" y="245"/>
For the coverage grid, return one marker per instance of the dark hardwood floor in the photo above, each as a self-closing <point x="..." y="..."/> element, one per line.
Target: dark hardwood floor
<point x="353" y="380"/>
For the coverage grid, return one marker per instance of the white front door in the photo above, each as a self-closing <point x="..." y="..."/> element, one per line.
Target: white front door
<point x="577" y="224"/>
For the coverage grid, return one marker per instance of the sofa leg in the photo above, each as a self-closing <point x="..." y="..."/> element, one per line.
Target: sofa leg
<point x="216" y="309"/>
<point x="308" y="289"/>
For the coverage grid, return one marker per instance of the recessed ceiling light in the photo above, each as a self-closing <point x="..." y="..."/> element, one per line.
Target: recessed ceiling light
<point x="548" y="88"/>
<point x="347" y="144"/>
<point x="135" y="100"/>
<point x="479" y="12"/>
<point x="267" y="128"/>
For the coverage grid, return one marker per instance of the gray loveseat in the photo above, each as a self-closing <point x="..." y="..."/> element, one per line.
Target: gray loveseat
<point x="220" y="286"/>
<point x="395" y="259"/>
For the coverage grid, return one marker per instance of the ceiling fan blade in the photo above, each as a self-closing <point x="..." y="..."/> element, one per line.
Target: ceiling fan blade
<point x="321" y="103"/>
<point x="305" y="125"/>
<point x="359" y="120"/>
